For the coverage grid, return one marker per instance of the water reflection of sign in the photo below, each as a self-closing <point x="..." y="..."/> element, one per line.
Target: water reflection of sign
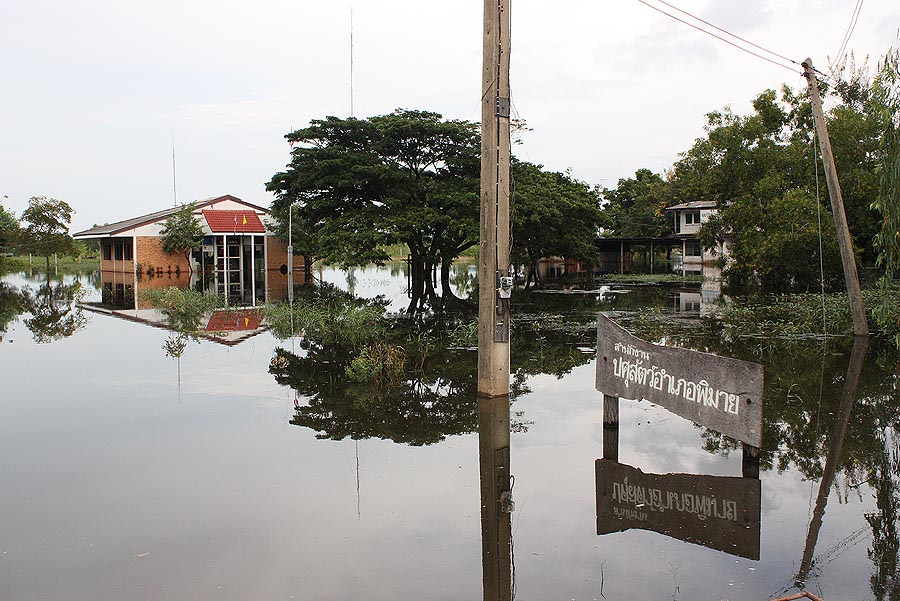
<point x="717" y="392"/>
<point x="718" y="512"/>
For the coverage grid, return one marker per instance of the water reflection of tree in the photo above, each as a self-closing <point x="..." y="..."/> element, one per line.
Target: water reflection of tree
<point x="436" y="395"/>
<point x="12" y="304"/>
<point x="54" y="311"/>
<point x="884" y="522"/>
<point x="803" y="386"/>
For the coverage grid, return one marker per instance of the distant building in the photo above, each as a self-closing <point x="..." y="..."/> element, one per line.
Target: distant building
<point x="241" y="258"/>
<point x="688" y="218"/>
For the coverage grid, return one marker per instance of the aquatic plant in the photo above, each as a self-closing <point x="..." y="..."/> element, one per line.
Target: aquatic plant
<point x="381" y="364"/>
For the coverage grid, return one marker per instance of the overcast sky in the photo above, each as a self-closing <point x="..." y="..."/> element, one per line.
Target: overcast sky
<point x="92" y="91"/>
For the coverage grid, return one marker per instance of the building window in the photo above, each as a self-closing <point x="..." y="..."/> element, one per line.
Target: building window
<point x="126" y="250"/>
<point x="105" y="248"/>
<point x="693" y="249"/>
<point x="692" y="218"/>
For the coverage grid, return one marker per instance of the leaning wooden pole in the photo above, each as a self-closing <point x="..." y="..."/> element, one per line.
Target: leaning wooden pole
<point x="493" y="262"/>
<point x="857" y="309"/>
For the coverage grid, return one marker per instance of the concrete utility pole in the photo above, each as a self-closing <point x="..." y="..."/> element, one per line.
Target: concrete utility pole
<point x="860" y="328"/>
<point x="493" y="263"/>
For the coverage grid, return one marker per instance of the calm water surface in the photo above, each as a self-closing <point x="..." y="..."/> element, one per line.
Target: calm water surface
<point x="129" y="474"/>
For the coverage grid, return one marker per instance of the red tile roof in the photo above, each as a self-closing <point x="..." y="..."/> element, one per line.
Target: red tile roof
<point x="233" y="222"/>
<point x="233" y="321"/>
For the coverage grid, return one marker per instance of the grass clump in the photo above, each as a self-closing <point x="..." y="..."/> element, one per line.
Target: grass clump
<point x="649" y="278"/>
<point x="801" y="315"/>
<point x="381" y="364"/>
<point x="344" y="323"/>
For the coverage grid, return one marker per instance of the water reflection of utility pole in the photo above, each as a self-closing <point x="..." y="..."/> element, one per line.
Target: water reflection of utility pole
<point x="496" y="498"/>
<point x="851" y="382"/>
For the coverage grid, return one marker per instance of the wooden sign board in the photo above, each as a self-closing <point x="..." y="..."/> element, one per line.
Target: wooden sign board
<point x="718" y="512"/>
<point x="723" y="394"/>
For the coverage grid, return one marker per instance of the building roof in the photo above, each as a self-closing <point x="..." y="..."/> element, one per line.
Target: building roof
<point x="233" y="222"/>
<point x="111" y="229"/>
<point x="697" y="204"/>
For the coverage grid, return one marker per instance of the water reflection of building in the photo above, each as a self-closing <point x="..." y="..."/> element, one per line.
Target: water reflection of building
<point x="241" y="258"/>
<point x="702" y="300"/>
<point x="224" y="326"/>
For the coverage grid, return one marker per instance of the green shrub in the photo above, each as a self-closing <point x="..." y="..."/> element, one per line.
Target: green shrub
<point x="380" y="364"/>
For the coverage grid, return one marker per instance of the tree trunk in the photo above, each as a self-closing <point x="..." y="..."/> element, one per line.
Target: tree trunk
<point x="417" y="280"/>
<point x="429" y="280"/>
<point x="48" y="265"/>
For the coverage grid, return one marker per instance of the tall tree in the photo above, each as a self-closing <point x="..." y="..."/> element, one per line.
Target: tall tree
<point x="762" y="169"/>
<point x="886" y="112"/>
<point x="182" y="233"/>
<point x="406" y="177"/>
<point x="636" y="207"/>
<point x="46" y="230"/>
<point x="553" y="215"/>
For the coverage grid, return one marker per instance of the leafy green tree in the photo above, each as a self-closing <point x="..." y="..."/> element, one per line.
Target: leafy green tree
<point x="763" y="168"/>
<point x="9" y="230"/>
<point x="636" y="207"/>
<point x="46" y="230"/>
<point x="553" y="215"/>
<point x="182" y="233"/>
<point x="406" y="177"/>
<point x="886" y="109"/>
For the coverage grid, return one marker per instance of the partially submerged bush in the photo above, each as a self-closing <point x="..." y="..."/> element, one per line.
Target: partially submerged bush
<point x="801" y="315"/>
<point x="381" y="364"/>
<point x="184" y="307"/>
<point x="350" y="324"/>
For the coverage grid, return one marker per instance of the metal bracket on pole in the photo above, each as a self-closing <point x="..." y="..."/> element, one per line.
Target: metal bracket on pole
<point x="503" y="107"/>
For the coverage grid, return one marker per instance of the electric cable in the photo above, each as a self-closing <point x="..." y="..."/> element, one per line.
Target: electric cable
<point x="725" y="31"/>
<point x="854" y="19"/>
<point x="718" y="37"/>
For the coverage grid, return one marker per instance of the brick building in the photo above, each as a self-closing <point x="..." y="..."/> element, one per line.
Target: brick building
<point x="241" y="258"/>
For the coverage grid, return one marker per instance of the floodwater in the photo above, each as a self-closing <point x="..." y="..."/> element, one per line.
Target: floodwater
<point x="250" y="468"/>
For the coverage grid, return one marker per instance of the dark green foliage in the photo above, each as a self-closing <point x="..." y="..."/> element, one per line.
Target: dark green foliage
<point x="636" y="207"/>
<point x="412" y="178"/>
<point x="553" y="215"/>
<point x="762" y="169"/>
<point x="9" y="230"/>
<point x="407" y="177"/>
<point x="776" y="243"/>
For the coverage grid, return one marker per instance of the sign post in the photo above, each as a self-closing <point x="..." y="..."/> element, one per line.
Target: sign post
<point x="723" y="394"/>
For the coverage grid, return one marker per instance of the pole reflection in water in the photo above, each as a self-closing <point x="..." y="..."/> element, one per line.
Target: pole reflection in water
<point x="851" y="382"/>
<point x="496" y="498"/>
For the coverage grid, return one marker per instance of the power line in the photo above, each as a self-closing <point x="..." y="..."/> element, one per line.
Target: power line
<point x="725" y="31"/>
<point x="854" y="19"/>
<point x="671" y="16"/>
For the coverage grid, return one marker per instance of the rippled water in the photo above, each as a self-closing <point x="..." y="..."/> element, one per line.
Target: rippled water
<point x="129" y="474"/>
